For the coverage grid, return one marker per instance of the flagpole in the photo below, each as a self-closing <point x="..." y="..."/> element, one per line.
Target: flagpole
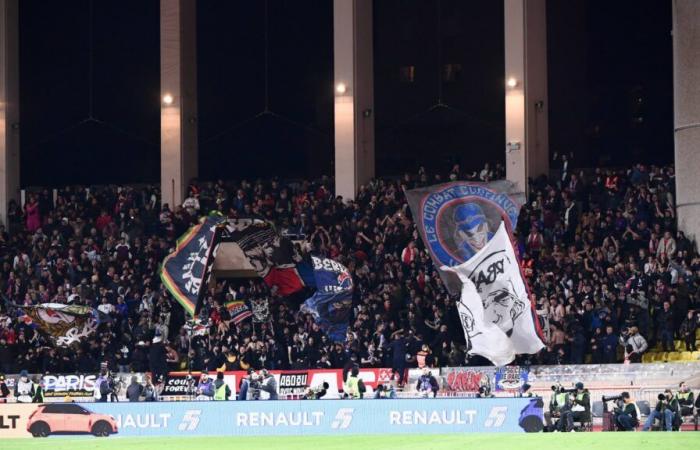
<point x="189" y="346"/>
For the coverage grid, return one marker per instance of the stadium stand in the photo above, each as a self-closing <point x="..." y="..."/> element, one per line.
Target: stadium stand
<point x="599" y="249"/>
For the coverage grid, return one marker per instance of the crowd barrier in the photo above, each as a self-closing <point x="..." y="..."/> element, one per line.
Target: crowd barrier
<point x="294" y="417"/>
<point x="646" y="380"/>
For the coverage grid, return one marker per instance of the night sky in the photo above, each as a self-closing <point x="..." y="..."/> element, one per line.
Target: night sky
<point x="90" y="93"/>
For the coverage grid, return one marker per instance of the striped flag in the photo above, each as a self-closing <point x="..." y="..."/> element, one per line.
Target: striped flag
<point x="238" y="310"/>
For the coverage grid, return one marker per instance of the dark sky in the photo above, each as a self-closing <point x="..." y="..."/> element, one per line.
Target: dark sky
<point x="90" y="86"/>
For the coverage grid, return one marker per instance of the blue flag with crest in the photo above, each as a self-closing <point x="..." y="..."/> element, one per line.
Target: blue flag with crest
<point x="332" y="302"/>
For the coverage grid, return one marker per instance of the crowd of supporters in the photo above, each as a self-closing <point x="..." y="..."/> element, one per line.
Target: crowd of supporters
<point x="608" y="270"/>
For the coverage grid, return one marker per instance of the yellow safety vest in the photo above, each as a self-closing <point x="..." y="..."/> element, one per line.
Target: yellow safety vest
<point x="561" y="400"/>
<point x="352" y="387"/>
<point x="220" y="393"/>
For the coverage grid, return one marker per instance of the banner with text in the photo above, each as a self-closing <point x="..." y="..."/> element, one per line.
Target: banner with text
<point x="414" y="416"/>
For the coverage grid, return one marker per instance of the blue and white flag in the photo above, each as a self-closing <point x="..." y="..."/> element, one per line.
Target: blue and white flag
<point x="331" y="303"/>
<point x="457" y="220"/>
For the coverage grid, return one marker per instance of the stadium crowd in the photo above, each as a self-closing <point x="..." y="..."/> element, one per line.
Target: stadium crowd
<point x="608" y="270"/>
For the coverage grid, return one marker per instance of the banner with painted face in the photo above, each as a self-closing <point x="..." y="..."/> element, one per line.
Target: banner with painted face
<point x="456" y="220"/>
<point x="505" y="312"/>
<point x="63" y="324"/>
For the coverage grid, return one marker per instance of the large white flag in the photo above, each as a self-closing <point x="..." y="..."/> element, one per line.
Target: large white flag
<point x="504" y="302"/>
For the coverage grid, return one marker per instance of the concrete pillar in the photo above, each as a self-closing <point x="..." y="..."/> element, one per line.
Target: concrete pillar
<point x="527" y="127"/>
<point x="9" y="106"/>
<point x="178" y="84"/>
<point x="686" y="117"/>
<point x="354" y="95"/>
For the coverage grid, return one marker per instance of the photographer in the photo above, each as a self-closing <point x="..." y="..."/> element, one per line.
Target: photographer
<point x="634" y="343"/>
<point x="559" y="404"/>
<point x="627" y="415"/>
<point x="254" y="386"/>
<point x="205" y="388"/>
<point x="685" y="399"/>
<point x="666" y="407"/>
<point x="484" y="389"/>
<point x="525" y="391"/>
<point x="221" y="389"/>
<point x="385" y="392"/>
<point x="351" y="388"/>
<point x="579" y="410"/>
<point x="269" y="384"/>
<point x="24" y="388"/>
<point x="102" y="388"/>
<point x="427" y="384"/>
<point x="150" y="393"/>
<point x="318" y="392"/>
<point x="134" y="391"/>
<point x="245" y="385"/>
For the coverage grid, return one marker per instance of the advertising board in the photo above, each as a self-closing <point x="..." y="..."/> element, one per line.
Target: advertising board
<point x="292" y="417"/>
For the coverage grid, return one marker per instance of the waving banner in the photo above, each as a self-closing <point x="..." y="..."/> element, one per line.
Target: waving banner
<point x="238" y="310"/>
<point x="331" y="303"/>
<point x="456" y="220"/>
<point x="273" y="256"/>
<point x="184" y="271"/>
<point x="64" y="324"/>
<point x="495" y="275"/>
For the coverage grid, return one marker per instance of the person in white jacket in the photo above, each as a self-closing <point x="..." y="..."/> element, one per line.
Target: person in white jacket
<point x="635" y="344"/>
<point x="24" y="389"/>
<point x="667" y="246"/>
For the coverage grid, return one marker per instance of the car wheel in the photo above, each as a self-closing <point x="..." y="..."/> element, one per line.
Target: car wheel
<point x="40" y="429"/>
<point x="101" y="428"/>
<point x="531" y="424"/>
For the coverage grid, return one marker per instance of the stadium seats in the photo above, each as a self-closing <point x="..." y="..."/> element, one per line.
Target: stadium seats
<point x="674" y="356"/>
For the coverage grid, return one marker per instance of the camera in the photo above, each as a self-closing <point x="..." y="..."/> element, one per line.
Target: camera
<point x="568" y="391"/>
<point x="615" y="398"/>
<point x="559" y="389"/>
<point x="661" y="397"/>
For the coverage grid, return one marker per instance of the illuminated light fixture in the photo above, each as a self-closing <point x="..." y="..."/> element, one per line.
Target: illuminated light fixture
<point x="341" y="88"/>
<point x="512" y="82"/>
<point x="168" y="99"/>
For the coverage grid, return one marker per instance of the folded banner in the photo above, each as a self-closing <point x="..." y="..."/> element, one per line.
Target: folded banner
<point x="273" y="256"/>
<point x="331" y="303"/>
<point x="184" y="271"/>
<point x="495" y="274"/>
<point x="456" y="220"/>
<point x="64" y="324"/>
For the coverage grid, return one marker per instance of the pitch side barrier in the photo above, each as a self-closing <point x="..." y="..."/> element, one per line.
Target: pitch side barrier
<point x="644" y="381"/>
<point x="291" y="417"/>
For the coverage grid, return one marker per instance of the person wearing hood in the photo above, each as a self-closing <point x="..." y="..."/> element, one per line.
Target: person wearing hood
<point x="24" y="388"/>
<point x="269" y="384"/>
<point x="134" y="391"/>
<point x="221" y="389"/>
